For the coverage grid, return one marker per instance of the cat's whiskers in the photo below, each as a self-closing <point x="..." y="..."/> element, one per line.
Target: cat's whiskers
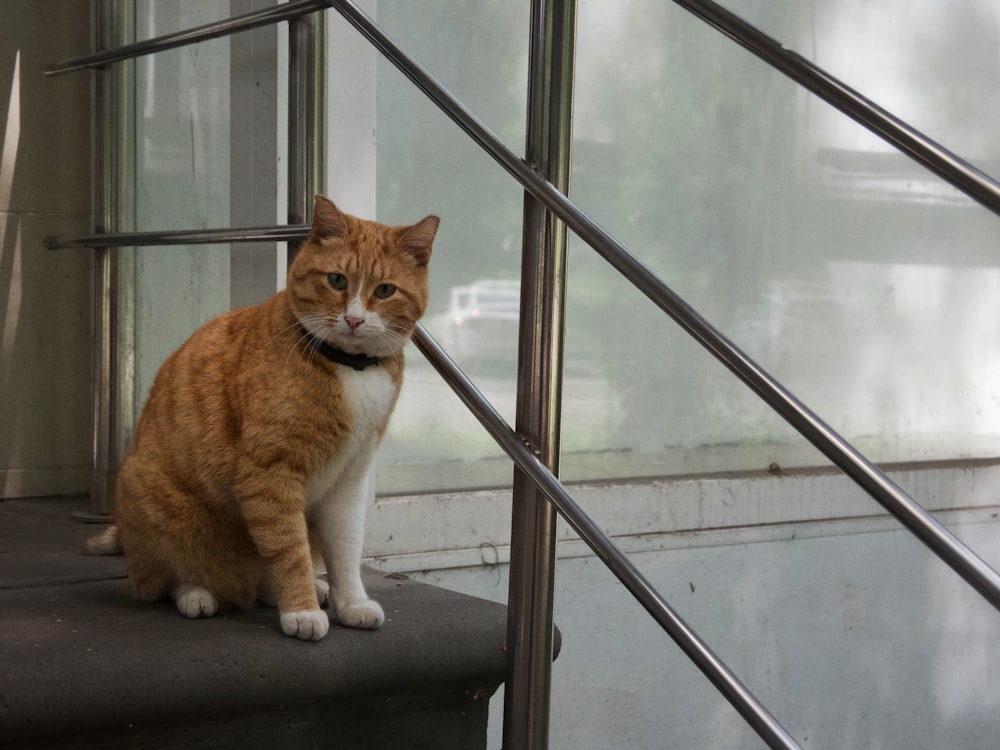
<point x="304" y="338"/>
<point x="394" y="334"/>
<point x="387" y="336"/>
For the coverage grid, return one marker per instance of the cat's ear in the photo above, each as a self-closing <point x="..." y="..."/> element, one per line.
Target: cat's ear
<point x="417" y="240"/>
<point x="327" y="221"/>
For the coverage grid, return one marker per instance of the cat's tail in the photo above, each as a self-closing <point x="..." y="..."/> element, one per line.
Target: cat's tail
<point x="105" y="543"/>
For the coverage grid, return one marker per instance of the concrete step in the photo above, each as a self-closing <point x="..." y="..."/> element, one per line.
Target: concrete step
<point x="84" y="666"/>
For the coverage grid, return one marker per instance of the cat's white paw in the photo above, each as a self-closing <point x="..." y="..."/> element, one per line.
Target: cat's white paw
<point x="367" y="614"/>
<point x="308" y="625"/>
<point x="194" y="601"/>
<point x="322" y="591"/>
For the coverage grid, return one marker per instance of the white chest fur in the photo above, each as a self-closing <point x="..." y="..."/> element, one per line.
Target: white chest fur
<point x="368" y="397"/>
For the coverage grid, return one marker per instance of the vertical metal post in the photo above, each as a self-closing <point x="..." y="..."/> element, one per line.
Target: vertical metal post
<point x="306" y="117"/>
<point x="540" y="360"/>
<point x="113" y="389"/>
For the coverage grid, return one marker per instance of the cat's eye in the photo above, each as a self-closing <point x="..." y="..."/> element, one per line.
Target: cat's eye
<point x="384" y="291"/>
<point x="338" y="281"/>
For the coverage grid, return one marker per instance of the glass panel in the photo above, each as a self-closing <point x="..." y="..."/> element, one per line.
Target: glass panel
<point x="182" y="180"/>
<point x="425" y="164"/>
<point x="863" y="282"/>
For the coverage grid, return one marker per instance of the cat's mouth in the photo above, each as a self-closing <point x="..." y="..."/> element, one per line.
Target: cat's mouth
<point x="349" y="340"/>
<point x="352" y="340"/>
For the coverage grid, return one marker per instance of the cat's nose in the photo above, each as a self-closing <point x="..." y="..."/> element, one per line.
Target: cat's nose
<point x="353" y="321"/>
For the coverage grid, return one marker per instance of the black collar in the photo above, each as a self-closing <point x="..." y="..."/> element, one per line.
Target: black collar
<point x="358" y="361"/>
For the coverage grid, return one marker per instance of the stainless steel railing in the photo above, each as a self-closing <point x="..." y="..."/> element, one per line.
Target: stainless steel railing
<point x="246" y="22"/>
<point x="114" y="415"/>
<point x="862" y="471"/>
<point x="525" y="456"/>
<point x="872" y="479"/>
<point x="950" y="167"/>
<point x="289" y="233"/>
<point x="551" y="58"/>
<point x="530" y="446"/>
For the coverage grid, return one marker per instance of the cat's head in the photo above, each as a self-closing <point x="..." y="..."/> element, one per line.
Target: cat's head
<point x="359" y="285"/>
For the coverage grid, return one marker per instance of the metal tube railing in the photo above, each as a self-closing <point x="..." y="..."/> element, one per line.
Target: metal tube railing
<point x="914" y="517"/>
<point x="290" y="233"/>
<point x="214" y="30"/>
<point x="524" y="455"/>
<point x="104" y="456"/>
<point x="942" y="162"/>
<point x="539" y="379"/>
<point x="306" y="118"/>
<point x="114" y="330"/>
<point x="527" y="455"/>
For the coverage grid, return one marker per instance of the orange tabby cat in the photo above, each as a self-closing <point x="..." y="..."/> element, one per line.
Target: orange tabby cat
<point x="253" y="454"/>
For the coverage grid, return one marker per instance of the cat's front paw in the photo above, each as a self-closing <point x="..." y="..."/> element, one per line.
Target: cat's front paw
<point x="308" y="625"/>
<point x="367" y="614"/>
<point x="194" y="601"/>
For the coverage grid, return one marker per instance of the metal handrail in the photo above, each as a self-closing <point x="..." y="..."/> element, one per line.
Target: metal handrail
<point x="947" y="165"/>
<point x="538" y="411"/>
<point x="524" y="455"/>
<point x="868" y="476"/>
<point x="213" y="30"/>
<point x="942" y="162"/>
<point x="285" y="233"/>
<point x="716" y="671"/>
<point x="872" y="479"/>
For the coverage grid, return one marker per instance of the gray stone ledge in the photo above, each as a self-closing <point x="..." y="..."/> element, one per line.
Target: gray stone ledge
<point x="80" y="659"/>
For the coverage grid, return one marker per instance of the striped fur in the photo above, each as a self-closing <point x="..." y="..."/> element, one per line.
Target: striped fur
<point x="251" y="463"/>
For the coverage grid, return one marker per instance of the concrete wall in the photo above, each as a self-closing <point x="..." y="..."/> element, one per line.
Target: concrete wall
<point x="45" y="318"/>
<point x="848" y="630"/>
<point x="856" y="639"/>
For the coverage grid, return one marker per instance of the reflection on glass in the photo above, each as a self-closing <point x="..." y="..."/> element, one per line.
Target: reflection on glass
<point x="860" y="280"/>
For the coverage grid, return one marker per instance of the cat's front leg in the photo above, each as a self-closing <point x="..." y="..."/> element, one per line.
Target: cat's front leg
<point x="277" y="526"/>
<point x="340" y="522"/>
